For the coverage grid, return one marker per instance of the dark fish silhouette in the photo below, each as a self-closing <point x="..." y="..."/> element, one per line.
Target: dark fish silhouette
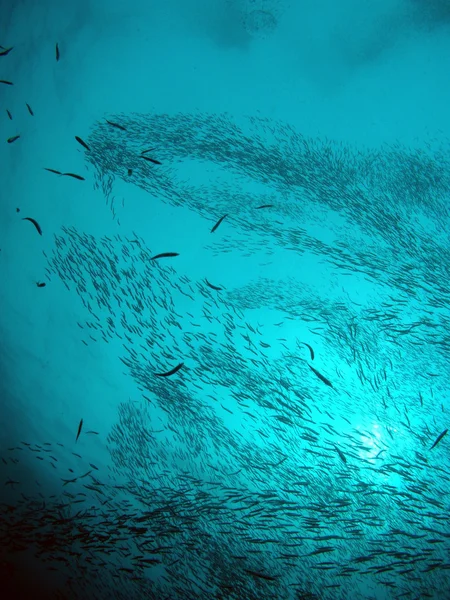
<point x="341" y="454"/>
<point x="35" y="223"/>
<point x="74" y="176"/>
<point x="311" y="351"/>
<point x="53" y="171"/>
<point x="218" y="223"/>
<point x="213" y="287"/>
<point x="321" y="377"/>
<point x="80" y="426"/>
<point x="171" y="372"/>
<point x="164" y="255"/>
<point x="116" y="125"/>
<point x="5" y="51"/>
<point x="40" y="284"/>
<point x="264" y="206"/>
<point x="439" y="438"/>
<point x="149" y="150"/>
<point x="260" y="575"/>
<point x="156" y="162"/>
<point x="80" y="141"/>
<point x="57" y="52"/>
<point x="13" y="139"/>
<point x="6" y="82"/>
<point x="30" y="110"/>
<point x="9" y="114"/>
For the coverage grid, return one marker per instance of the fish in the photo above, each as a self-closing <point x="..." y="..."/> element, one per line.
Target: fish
<point x="213" y="287"/>
<point x="320" y="376"/>
<point x="171" y="372"/>
<point x="80" y="426"/>
<point x="11" y="482"/>
<point x="30" y="110"/>
<point x="6" y="51"/>
<point x="35" y="223"/>
<point x="9" y="114"/>
<point x="322" y="550"/>
<point x="264" y="206"/>
<point x="80" y="141"/>
<point x="39" y="284"/>
<point x="116" y="125"/>
<point x="149" y="150"/>
<point x="52" y="171"/>
<point x="341" y="454"/>
<point x="439" y="438"/>
<point x="311" y="351"/>
<point x="6" y="82"/>
<point x="13" y="139"/>
<point x="406" y="417"/>
<point x="156" y="162"/>
<point x="74" y="176"/>
<point x="218" y="223"/>
<point x="260" y="575"/>
<point x="66" y="481"/>
<point x="57" y="52"/>
<point x="164" y="255"/>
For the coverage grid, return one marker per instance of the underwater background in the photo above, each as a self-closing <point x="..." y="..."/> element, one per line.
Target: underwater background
<point x="224" y="299"/>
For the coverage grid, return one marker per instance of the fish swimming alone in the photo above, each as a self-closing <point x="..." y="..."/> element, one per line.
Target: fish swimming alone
<point x="311" y="351"/>
<point x="80" y="141"/>
<point x="35" y="223"/>
<point x="74" y="176"/>
<point x="321" y="377"/>
<point x="152" y="160"/>
<point x="164" y="255"/>
<point x="80" y="426"/>
<point x="218" y="223"/>
<point x="341" y="454"/>
<point x="439" y="438"/>
<point x="213" y="287"/>
<point x="171" y="372"/>
<point x="116" y="125"/>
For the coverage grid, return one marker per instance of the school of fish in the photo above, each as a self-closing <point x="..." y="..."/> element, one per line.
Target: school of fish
<point x="250" y="465"/>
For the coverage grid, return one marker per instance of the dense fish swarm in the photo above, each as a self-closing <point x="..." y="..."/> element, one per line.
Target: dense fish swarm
<point x="258" y="466"/>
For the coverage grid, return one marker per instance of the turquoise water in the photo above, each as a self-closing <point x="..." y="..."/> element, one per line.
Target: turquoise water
<point x="234" y="382"/>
